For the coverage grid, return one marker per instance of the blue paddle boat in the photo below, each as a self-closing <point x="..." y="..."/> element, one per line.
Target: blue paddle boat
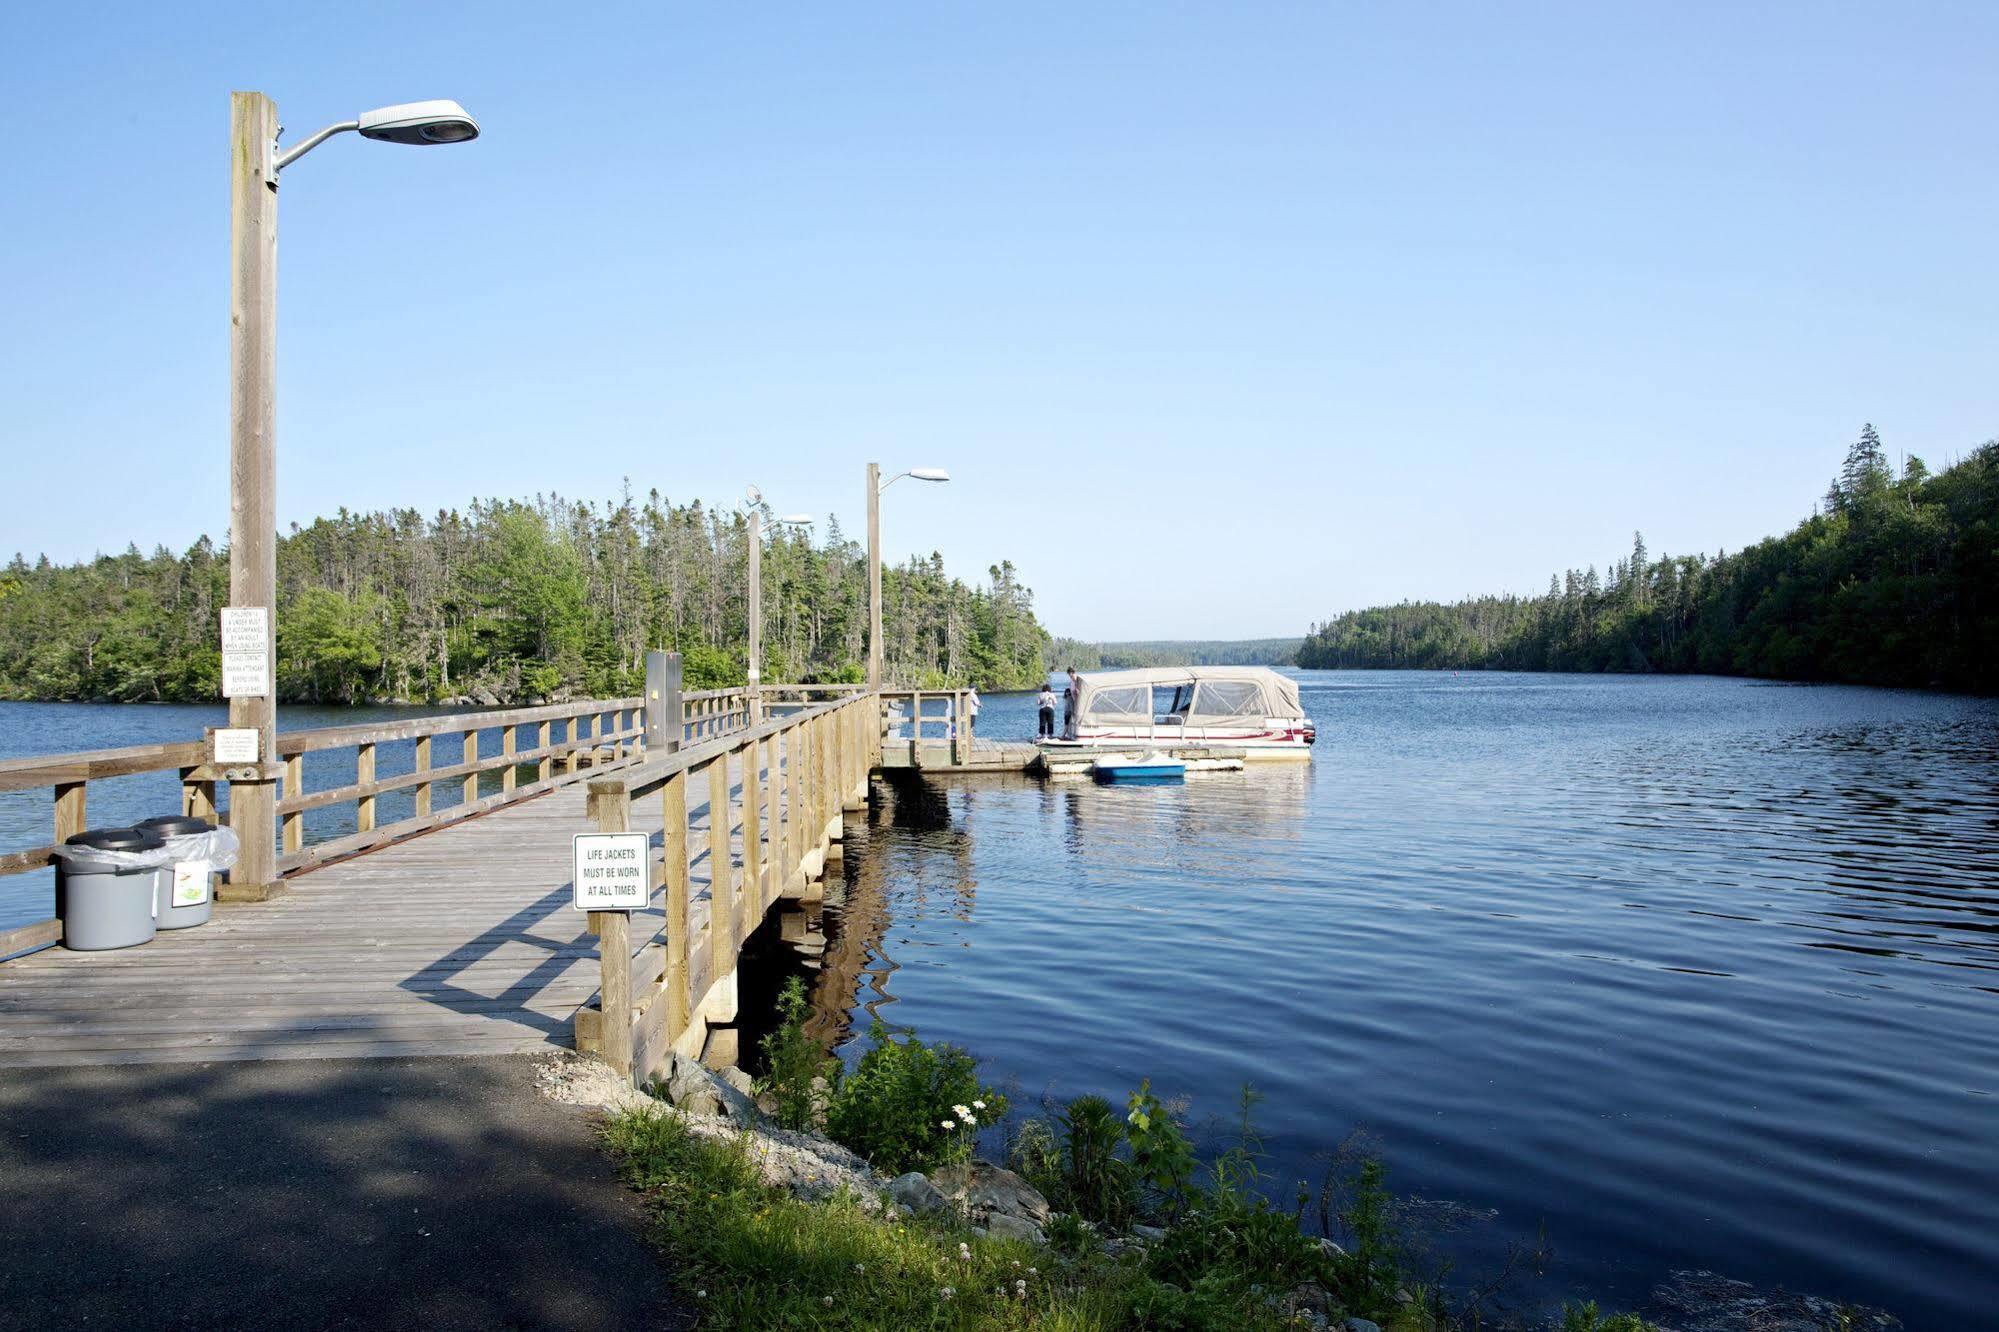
<point x="1153" y="768"/>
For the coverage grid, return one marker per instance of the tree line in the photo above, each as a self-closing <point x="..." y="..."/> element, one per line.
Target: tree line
<point x="510" y="601"/>
<point x="1894" y="580"/>
<point x="1086" y="656"/>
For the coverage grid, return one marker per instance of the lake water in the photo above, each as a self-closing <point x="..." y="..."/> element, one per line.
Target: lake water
<point x="1693" y="972"/>
<point x="1696" y="972"/>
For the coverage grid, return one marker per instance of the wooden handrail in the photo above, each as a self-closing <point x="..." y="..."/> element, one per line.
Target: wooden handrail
<point x="25" y="774"/>
<point x="660" y="992"/>
<point x="369" y="733"/>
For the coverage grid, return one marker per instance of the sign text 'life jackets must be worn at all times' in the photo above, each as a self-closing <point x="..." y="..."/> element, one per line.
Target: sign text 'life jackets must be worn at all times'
<point x="613" y="872"/>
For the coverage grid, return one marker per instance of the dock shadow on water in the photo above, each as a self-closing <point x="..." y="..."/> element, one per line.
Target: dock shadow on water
<point x="1679" y="973"/>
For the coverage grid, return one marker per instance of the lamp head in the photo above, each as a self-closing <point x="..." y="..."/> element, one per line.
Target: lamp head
<point x="440" y="121"/>
<point x="796" y="519"/>
<point x="929" y="474"/>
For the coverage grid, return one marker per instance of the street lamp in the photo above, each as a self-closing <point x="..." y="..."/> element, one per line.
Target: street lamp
<point x="253" y="479"/>
<point x="875" y="488"/>
<point x="754" y="508"/>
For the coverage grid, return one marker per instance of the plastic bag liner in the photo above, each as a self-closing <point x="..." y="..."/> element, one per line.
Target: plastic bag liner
<point x="191" y="839"/>
<point x="120" y="848"/>
<point x="218" y="847"/>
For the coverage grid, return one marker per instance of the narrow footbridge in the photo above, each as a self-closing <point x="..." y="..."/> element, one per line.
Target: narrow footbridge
<point x="451" y="931"/>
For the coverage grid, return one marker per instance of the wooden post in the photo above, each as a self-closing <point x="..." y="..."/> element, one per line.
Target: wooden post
<point x="610" y="811"/>
<point x="680" y="1003"/>
<point x="253" y="470"/>
<point x="423" y="765"/>
<point x="959" y="718"/>
<point x="752" y="836"/>
<point x="779" y="876"/>
<point x="722" y="936"/>
<point x="197" y="796"/>
<point x="663" y="704"/>
<point x="364" y="775"/>
<point x="794" y="821"/>
<point x="874" y="576"/>
<point x="573" y="755"/>
<point x="471" y="787"/>
<point x="294" y="786"/>
<point x="509" y="746"/>
<point x="70" y="814"/>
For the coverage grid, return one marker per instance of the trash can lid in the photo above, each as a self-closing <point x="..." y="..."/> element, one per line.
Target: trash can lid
<point x="117" y="839"/>
<point x="175" y="825"/>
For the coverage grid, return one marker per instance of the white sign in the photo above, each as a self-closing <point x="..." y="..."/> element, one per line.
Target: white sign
<point x="246" y="651"/>
<point x="613" y="871"/>
<point x="236" y="745"/>
<point x="190" y="882"/>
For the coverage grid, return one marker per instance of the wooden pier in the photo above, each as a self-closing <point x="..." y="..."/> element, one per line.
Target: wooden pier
<point x="452" y="931"/>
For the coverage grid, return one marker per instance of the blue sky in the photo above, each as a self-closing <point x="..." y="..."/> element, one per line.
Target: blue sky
<point x="1225" y="318"/>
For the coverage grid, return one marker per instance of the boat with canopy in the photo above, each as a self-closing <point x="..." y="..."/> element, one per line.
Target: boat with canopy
<point x="1247" y="709"/>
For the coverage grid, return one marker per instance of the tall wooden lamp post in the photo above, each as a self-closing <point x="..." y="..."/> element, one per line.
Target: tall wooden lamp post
<point x="875" y="488"/>
<point x="249" y="659"/>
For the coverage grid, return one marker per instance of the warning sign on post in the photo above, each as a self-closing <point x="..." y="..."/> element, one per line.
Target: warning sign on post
<point x="613" y="872"/>
<point x="246" y="651"/>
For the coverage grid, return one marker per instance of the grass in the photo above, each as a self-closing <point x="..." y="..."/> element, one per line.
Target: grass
<point x="753" y="1257"/>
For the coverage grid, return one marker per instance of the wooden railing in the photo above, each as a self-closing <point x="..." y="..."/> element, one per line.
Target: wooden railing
<point x="946" y="712"/>
<point x="707" y="713"/>
<point x="595" y="732"/>
<point x="667" y="973"/>
<point x="562" y="743"/>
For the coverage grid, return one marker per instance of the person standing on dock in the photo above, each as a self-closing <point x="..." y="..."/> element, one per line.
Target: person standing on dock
<point x="1046" y="702"/>
<point x="971" y="711"/>
<point x="1071" y="698"/>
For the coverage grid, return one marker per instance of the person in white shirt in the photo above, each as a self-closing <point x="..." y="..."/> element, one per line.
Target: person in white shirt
<point x="1071" y="700"/>
<point x="1046" y="702"/>
<point x="971" y="711"/>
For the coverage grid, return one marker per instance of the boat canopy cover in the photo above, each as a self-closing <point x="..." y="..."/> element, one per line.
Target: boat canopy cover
<point x="1221" y="695"/>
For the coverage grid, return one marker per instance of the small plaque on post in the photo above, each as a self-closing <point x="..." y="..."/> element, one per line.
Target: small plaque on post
<point x="236" y="745"/>
<point x="613" y="871"/>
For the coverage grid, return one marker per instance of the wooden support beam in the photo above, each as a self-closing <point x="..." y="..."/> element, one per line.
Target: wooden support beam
<point x="509" y="746"/>
<point x="673" y="800"/>
<point x="294" y="823"/>
<point x="423" y="788"/>
<point x="723" y="940"/>
<point x="609" y="810"/>
<point x="471" y="788"/>
<point x="364" y="776"/>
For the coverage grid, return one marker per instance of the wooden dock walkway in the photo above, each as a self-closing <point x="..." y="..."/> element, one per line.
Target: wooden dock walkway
<point x="462" y="940"/>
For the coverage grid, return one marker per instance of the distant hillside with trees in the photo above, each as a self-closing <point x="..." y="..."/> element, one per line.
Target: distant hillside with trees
<point x="1174" y="652"/>
<point x="510" y="601"/>
<point x="1893" y="581"/>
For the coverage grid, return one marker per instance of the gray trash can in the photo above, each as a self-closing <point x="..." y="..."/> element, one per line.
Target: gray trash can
<point x="106" y="901"/>
<point x="185" y="892"/>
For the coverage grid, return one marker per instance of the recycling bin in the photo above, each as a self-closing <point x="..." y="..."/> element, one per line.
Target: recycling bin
<point x="184" y="894"/>
<point x="106" y="887"/>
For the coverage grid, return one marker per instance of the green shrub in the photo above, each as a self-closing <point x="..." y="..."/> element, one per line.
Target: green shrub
<point x="1095" y="1180"/>
<point x="793" y="1061"/>
<point x="911" y="1106"/>
<point x="1160" y="1153"/>
<point x="1586" y="1317"/>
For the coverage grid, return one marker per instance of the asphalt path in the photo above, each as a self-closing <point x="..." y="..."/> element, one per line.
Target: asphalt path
<point x="435" y="1193"/>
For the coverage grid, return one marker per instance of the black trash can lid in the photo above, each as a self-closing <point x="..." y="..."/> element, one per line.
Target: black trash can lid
<point x="117" y="839"/>
<point x="175" y="825"/>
